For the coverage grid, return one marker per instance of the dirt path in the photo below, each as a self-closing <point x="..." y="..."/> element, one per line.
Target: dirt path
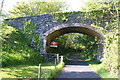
<point x="77" y="69"/>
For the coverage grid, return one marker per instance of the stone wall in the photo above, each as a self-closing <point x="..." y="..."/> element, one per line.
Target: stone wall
<point x="47" y="25"/>
<point x="45" y="22"/>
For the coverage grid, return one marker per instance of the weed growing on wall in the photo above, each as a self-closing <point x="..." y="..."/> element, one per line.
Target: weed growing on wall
<point x="29" y="32"/>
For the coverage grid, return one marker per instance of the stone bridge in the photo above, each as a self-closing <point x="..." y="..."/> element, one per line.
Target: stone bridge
<point x="49" y="28"/>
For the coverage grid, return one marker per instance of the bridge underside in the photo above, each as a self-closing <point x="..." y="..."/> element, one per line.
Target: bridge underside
<point x="49" y="28"/>
<point x="56" y="32"/>
<point x="62" y="31"/>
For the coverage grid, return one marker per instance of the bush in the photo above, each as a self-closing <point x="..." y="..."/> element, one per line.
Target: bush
<point x="16" y="49"/>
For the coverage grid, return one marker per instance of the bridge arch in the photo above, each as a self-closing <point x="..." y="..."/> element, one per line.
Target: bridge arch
<point x="74" y="28"/>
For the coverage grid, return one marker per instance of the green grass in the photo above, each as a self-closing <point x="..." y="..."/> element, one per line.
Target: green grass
<point x="28" y="71"/>
<point x="16" y="49"/>
<point x="19" y="60"/>
<point x="101" y="70"/>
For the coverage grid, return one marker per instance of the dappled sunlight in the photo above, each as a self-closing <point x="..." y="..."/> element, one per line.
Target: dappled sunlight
<point x="27" y="71"/>
<point x="76" y="43"/>
<point x="20" y="71"/>
<point x="102" y="71"/>
<point x="16" y="49"/>
<point x="48" y="67"/>
<point x="85" y="37"/>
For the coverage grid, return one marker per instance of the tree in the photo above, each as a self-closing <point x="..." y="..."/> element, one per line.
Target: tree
<point x="100" y="5"/>
<point x="36" y="8"/>
<point x="109" y="10"/>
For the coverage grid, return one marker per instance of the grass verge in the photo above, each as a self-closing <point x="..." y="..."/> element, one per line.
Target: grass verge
<point x="101" y="70"/>
<point x="31" y="71"/>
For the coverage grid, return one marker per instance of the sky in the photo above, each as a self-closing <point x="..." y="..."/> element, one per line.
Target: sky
<point x="74" y="5"/>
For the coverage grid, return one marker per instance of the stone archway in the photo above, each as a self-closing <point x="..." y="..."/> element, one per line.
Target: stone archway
<point x="74" y="28"/>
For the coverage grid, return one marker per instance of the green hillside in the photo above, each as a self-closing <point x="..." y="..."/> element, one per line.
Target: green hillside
<point x="16" y="49"/>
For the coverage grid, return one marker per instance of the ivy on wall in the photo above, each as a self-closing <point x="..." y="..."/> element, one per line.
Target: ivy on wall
<point x="63" y="16"/>
<point x="107" y="21"/>
<point x="29" y="32"/>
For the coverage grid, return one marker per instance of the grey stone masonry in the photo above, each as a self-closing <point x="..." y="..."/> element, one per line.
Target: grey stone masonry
<point x="48" y="28"/>
<point x="45" y="22"/>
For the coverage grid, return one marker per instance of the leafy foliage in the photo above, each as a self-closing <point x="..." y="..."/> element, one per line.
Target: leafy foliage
<point x="17" y="52"/>
<point x="66" y="40"/>
<point x="36" y="8"/>
<point x="111" y="51"/>
<point x="92" y="6"/>
<point x="89" y="46"/>
<point x="101" y="70"/>
<point x="16" y="49"/>
<point x="84" y="45"/>
<point x="111" y="14"/>
<point x="29" y="33"/>
<point x="63" y="16"/>
<point x="105" y="17"/>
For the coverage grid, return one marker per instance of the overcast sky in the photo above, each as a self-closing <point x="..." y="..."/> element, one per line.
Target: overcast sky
<point x="75" y="5"/>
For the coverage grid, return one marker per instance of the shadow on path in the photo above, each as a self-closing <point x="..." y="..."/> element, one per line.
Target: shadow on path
<point x="76" y="69"/>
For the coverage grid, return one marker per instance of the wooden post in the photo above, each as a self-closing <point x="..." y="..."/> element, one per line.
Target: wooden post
<point x="55" y="63"/>
<point x="61" y="59"/>
<point x="39" y="72"/>
<point x="57" y="58"/>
